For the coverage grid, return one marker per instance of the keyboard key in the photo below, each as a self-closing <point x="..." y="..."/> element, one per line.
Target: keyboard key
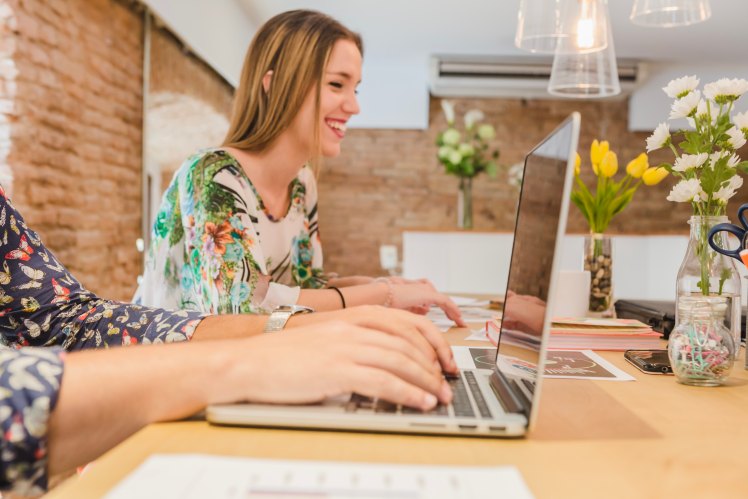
<point x="461" y="399"/>
<point x="480" y="401"/>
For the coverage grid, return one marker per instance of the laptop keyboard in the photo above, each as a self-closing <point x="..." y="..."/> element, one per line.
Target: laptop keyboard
<point x="461" y="403"/>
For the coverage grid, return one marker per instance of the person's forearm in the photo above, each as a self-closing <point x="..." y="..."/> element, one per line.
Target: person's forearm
<point x="351" y="280"/>
<point x="328" y="299"/>
<point x="108" y="395"/>
<point x="229" y="327"/>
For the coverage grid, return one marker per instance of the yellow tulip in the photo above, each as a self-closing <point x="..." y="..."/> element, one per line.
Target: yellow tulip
<point x="654" y="175"/>
<point x="577" y="164"/>
<point x="638" y="165"/>
<point x="609" y="164"/>
<point x="598" y="151"/>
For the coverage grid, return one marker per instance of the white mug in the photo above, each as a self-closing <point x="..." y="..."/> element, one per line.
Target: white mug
<point x="572" y="298"/>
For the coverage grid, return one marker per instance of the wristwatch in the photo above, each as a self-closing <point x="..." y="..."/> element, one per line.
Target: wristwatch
<point x="279" y="316"/>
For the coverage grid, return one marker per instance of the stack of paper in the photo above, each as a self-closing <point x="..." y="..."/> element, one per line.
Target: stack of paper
<point x="585" y="333"/>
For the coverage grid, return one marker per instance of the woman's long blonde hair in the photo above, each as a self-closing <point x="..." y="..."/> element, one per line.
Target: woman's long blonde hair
<point x="295" y="46"/>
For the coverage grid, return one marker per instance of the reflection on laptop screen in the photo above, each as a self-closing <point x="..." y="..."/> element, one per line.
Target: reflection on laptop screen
<point x="538" y="215"/>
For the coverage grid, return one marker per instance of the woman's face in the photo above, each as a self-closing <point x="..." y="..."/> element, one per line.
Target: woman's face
<point x="338" y="100"/>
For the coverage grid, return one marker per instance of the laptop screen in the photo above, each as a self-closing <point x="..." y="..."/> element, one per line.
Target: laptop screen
<point x="541" y="220"/>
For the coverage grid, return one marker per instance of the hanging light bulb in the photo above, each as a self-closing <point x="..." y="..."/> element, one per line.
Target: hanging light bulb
<point x="670" y="13"/>
<point x="585" y="75"/>
<point x="543" y="26"/>
<point x="585" y="36"/>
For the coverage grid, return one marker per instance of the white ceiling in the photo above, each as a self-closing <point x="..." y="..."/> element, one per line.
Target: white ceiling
<point x="416" y="28"/>
<point x="400" y="35"/>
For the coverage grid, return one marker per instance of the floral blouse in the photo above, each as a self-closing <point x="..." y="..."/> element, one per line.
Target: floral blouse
<point x="216" y="249"/>
<point x="43" y="305"/>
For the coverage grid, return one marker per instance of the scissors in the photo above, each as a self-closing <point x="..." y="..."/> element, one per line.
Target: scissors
<point x="741" y="232"/>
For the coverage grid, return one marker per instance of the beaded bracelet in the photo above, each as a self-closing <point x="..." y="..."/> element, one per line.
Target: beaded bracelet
<point x="390" y="291"/>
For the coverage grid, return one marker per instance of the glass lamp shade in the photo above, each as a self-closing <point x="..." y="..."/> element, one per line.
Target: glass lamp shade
<point x="544" y="26"/>
<point x="670" y="13"/>
<point x="585" y="75"/>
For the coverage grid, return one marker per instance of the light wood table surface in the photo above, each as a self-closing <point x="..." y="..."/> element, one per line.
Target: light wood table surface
<point x="649" y="438"/>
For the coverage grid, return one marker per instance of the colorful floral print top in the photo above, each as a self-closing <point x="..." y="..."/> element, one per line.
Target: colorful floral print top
<point x="43" y="305"/>
<point x="215" y="248"/>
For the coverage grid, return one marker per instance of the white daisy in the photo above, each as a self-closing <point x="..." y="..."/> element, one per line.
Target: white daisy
<point x="741" y="121"/>
<point x="685" y="106"/>
<point x="729" y="190"/>
<point x="449" y="111"/>
<point x="472" y="117"/>
<point x="659" y="138"/>
<point x="716" y="156"/>
<point x="688" y="161"/>
<point x="685" y="191"/>
<point x="725" y="89"/>
<point x="680" y="87"/>
<point x="733" y="161"/>
<point x="737" y="138"/>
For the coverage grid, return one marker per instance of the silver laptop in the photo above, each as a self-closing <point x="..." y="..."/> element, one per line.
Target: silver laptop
<point x="498" y="402"/>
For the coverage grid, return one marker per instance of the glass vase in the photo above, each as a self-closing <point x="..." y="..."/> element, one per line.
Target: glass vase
<point x="598" y="259"/>
<point x="708" y="280"/>
<point x="701" y="348"/>
<point x="465" y="203"/>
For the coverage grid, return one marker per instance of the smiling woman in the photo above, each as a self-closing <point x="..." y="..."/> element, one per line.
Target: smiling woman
<point x="237" y="231"/>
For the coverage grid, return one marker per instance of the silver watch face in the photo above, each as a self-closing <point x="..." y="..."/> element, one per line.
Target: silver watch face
<point x="293" y="309"/>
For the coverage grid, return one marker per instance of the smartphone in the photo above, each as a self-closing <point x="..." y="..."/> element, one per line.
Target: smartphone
<point x="649" y="361"/>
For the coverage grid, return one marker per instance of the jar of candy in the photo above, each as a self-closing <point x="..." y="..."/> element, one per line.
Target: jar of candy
<point x="701" y="349"/>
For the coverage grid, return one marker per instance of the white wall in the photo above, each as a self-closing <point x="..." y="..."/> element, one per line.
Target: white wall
<point x="219" y="31"/>
<point x="649" y="106"/>
<point x="644" y="267"/>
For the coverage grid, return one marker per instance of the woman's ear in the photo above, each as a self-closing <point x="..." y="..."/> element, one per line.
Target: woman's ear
<point x="266" y="81"/>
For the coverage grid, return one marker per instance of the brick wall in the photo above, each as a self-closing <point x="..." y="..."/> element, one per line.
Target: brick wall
<point x="387" y="181"/>
<point x="76" y="134"/>
<point x="188" y="107"/>
<point x="71" y="126"/>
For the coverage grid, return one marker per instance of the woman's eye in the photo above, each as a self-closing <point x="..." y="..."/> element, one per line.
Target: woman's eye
<point x="336" y="84"/>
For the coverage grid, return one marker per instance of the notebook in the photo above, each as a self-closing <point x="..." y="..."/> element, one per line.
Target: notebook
<point x="487" y="402"/>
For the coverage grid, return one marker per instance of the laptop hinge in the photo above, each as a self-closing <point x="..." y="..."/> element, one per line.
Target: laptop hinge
<point x="506" y="395"/>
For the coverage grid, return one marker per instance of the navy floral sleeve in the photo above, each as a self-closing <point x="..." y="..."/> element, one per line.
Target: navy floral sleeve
<point x="29" y="385"/>
<point x="42" y="304"/>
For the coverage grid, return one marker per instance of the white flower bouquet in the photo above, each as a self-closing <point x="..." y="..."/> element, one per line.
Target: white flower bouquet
<point x="707" y="163"/>
<point x="467" y="153"/>
<point x="705" y="159"/>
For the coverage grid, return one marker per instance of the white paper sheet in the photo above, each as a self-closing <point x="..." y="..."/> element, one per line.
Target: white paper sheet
<point x="583" y="364"/>
<point x="186" y="476"/>
<point x="478" y="335"/>
<point x="463" y="301"/>
<point x="475" y="316"/>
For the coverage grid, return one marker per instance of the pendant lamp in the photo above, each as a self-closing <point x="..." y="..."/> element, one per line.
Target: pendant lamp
<point x="670" y="13"/>
<point x="543" y="26"/>
<point x="585" y="75"/>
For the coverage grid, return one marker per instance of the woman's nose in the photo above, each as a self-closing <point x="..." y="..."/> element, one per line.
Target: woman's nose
<point x="350" y="105"/>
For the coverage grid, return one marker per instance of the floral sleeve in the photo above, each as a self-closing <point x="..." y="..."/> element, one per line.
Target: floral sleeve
<point x="42" y="304"/>
<point x="29" y="387"/>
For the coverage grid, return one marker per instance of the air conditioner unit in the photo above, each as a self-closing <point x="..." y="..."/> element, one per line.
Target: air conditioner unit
<point x="509" y="77"/>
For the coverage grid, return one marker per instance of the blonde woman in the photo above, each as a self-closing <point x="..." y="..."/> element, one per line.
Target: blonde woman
<point x="237" y="230"/>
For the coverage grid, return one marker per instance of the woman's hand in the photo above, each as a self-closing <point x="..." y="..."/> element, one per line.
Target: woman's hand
<point x="418" y="297"/>
<point x="524" y="313"/>
<point x="417" y="330"/>
<point x="311" y="363"/>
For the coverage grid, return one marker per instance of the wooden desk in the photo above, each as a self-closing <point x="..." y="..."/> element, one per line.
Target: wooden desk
<point x="652" y="438"/>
